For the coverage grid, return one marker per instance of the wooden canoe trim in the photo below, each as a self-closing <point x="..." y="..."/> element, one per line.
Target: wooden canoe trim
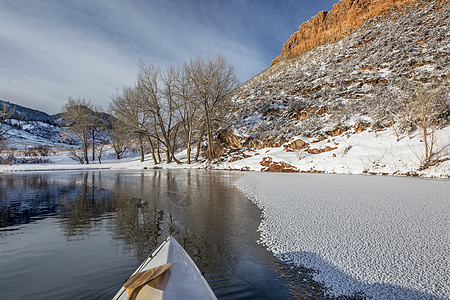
<point x="136" y="282"/>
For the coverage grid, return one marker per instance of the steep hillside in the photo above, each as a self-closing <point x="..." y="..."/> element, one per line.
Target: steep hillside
<point x="28" y="114"/>
<point x="346" y="16"/>
<point x="30" y="128"/>
<point x="352" y="82"/>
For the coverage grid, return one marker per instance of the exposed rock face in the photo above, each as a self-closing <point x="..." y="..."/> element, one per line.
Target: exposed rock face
<point x="317" y="151"/>
<point x="296" y="145"/>
<point x="273" y="166"/>
<point x="228" y="139"/>
<point x="335" y="24"/>
<point x="339" y="87"/>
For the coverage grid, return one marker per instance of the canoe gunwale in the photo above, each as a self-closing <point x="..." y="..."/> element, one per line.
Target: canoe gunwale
<point x="145" y="263"/>
<point x="151" y="256"/>
<point x="184" y="267"/>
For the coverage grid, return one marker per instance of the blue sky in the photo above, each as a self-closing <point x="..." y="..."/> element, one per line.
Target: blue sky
<point x="53" y="49"/>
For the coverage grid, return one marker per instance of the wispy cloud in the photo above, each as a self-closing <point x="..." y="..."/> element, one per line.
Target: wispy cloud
<point x="54" y="49"/>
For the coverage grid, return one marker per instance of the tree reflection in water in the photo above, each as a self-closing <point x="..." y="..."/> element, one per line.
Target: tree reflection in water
<point x="84" y="213"/>
<point x="137" y="224"/>
<point x="83" y="209"/>
<point x="138" y="210"/>
<point x="28" y="198"/>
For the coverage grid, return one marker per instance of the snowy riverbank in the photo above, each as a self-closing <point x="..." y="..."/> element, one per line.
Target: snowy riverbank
<point x="367" y="152"/>
<point x="384" y="236"/>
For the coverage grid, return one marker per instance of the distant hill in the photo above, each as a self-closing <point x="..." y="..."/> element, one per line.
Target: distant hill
<point x="28" y="114"/>
<point x="30" y="127"/>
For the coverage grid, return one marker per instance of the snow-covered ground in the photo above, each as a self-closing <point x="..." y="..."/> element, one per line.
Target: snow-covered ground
<point x="387" y="237"/>
<point x="366" y="152"/>
<point x="358" y="153"/>
<point x="34" y="133"/>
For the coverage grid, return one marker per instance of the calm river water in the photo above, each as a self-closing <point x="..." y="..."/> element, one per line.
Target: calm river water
<point x="79" y="235"/>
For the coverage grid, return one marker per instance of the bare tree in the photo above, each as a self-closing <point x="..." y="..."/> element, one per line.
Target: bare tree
<point x="127" y="109"/>
<point x="390" y="104"/>
<point x="77" y="116"/>
<point x="427" y="104"/>
<point x="212" y="81"/>
<point x="188" y="108"/>
<point x="5" y="114"/>
<point x="100" y="149"/>
<point x="172" y="105"/>
<point x="98" y="128"/>
<point x="118" y="136"/>
<point x="157" y="92"/>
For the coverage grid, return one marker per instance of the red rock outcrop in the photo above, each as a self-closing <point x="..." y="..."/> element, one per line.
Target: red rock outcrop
<point x="296" y="145"/>
<point x="332" y="26"/>
<point x="274" y="166"/>
<point x="317" y="151"/>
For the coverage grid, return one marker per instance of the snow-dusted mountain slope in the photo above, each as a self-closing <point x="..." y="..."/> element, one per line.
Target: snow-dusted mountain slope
<point x="30" y="128"/>
<point x="28" y="134"/>
<point x="28" y="114"/>
<point x="343" y="83"/>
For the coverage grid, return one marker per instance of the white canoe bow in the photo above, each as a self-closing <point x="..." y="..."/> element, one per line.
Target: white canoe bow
<point x="156" y="278"/>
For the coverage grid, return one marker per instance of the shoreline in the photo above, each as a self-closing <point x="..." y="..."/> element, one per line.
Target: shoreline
<point x="362" y="153"/>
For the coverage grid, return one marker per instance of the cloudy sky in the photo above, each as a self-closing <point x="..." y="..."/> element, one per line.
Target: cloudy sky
<point x="53" y="49"/>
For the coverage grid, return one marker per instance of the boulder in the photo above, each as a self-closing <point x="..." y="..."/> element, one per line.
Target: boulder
<point x="271" y="166"/>
<point x="296" y="145"/>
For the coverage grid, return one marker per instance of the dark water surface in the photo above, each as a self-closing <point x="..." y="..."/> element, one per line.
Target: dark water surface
<point x="79" y="235"/>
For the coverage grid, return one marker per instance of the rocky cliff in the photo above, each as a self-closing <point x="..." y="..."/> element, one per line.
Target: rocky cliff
<point x="352" y="81"/>
<point x="350" y="106"/>
<point x="331" y="26"/>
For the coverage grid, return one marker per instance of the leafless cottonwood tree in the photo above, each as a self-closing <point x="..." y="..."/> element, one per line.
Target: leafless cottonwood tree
<point x="5" y="114"/>
<point x="77" y="116"/>
<point x="118" y="136"/>
<point x="98" y="127"/>
<point x="188" y="109"/>
<point x="427" y="105"/>
<point x="158" y="92"/>
<point x="213" y="81"/>
<point x="171" y="105"/>
<point x="126" y="107"/>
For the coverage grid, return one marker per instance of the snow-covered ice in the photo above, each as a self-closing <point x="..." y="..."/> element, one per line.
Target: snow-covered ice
<point x="385" y="236"/>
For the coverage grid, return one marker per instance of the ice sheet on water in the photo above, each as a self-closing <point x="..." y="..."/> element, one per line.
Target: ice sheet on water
<point x="384" y="236"/>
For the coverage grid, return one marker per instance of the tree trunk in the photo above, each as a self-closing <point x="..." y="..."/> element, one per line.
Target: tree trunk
<point x="209" y="137"/>
<point x="153" y="151"/>
<point x="172" y="154"/>
<point x="93" y="147"/>
<point x="188" y="150"/>
<point x="159" y="152"/>
<point x="172" y="145"/>
<point x="425" y="140"/>
<point x="199" y="143"/>
<point x="168" y="156"/>
<point x="395" y="129"/>
<point x="141" y="147"/>
<point x="99" y="156"/>
<point x="85" y="152"/>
